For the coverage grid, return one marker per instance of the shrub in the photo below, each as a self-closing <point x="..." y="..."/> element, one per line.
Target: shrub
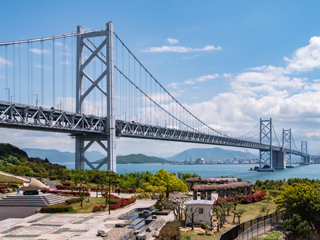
<point x="53" y="178"/>
<point x="170" y="230"/>
<point x="57" y="208"/>
<point x="73" y="200"/>
<point x="258" y="196"/>
<point x="99" y="208"/>
<point x="264" y="208"/>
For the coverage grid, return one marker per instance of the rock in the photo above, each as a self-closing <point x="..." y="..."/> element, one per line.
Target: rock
<point x="102" y="233"/>
<point x="148" y="230"/>
<point x="154" y="217"/>
<point x="136" y="232"/>
<point x="119" y="225"/>
<point x="141" y="237"/>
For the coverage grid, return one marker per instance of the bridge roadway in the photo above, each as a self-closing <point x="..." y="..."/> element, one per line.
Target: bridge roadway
<point x="27" y="117"/>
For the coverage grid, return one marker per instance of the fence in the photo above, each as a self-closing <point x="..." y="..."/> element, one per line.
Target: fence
<point x="259" y="222"/>
<point x="260" y="228"/>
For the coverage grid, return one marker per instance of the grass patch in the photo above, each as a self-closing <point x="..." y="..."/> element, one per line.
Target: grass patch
<point x="253" y="211"/>
<point x="88" y="206"/>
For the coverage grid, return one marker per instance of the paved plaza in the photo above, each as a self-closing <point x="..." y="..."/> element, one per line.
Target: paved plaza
<point x="73" y="226"/>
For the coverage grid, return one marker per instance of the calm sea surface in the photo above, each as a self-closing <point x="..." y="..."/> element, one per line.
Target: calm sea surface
<point x="218" y="170"/>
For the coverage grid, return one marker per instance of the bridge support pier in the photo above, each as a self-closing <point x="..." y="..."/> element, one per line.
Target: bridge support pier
<point x="279" y="160"/>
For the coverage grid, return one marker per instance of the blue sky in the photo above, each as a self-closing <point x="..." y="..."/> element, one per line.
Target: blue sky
<point x="230" y="62"/>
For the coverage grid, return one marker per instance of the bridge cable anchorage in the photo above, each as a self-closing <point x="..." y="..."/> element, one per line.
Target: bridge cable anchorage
<point x="161" y="87"/>
<point x="66" y="35"/>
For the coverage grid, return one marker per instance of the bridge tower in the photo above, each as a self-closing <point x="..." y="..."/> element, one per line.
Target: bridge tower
<point x="265" y="157"/>
<point x="286" y="142"/>
<point x="305" y="159"/>
<point x="107" y="58"/>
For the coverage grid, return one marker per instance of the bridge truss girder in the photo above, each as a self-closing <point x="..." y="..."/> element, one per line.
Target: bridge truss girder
<point x="43" y="119"/>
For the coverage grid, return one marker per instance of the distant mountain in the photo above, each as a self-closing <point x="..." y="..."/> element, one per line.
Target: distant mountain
<point x="56" y="156"/>
<point x="137" y="158"/>
<point x="209" y="154"/>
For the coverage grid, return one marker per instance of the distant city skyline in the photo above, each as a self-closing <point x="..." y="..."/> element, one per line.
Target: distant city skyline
<point x="228" y="63"/>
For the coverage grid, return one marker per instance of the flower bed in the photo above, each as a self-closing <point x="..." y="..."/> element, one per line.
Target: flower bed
<point x="128" y="190"/>
<point x="244" y="199"/>
<point x="226" y="186"/>
<point x="104" y="189"/>
<point x="5" y="190"/>
<point x="3" y="186"/>
<point x="125" y="202"/>
<point x="65" y="193"/>
<point x="212" y="180"/>
<point x="99" y="208"/>
<point x="62" y="187"/>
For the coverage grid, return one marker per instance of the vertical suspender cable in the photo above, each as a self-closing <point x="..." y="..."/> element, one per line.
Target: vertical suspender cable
<point x="7" y="82"/>
<point x="53" y="76"/>
<point x="64" y="72"/>
<point x="42" y="75"/>
<point x="14" y="70"/>
<point x="28" y="70"/>
<point x="19" y="99"/>
<point x="31" y="73"/>
<point x="72" y="75"/>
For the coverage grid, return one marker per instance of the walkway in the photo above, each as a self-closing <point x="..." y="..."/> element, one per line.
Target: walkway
<point x="67" y="226"/>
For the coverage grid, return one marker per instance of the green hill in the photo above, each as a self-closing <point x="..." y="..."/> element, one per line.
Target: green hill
<point x="137" y="158"/>
<point x="209" y="154"/>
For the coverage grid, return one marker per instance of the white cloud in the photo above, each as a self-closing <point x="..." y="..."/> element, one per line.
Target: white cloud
<point x="190" y="57"/>
<point x="60" y="44"/>
<point x="39" y="51"/>
<point x="202" y="79"/>
<point x="172" y="40"/>
<point x="3" y="62"/>
<point x="41" y="66"/>
<point x="305" y="58"/>
<point x="65" y="62"/>
<point x="181" y="49"/>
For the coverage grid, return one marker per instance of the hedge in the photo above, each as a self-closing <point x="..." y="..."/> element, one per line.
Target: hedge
<point x="63" y="187"/>
<point x="57" y="208"/>
<point x="244" y="199"/>
<point x="73" y="200"/>
<point x="66" y="193"/>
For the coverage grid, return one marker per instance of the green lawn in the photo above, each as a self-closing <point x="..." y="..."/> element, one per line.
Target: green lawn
<point x="87" y="207"/>
<point x="253" y="211"/>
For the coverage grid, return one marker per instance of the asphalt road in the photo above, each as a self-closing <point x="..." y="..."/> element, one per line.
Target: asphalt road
<point x="16" y="212"/>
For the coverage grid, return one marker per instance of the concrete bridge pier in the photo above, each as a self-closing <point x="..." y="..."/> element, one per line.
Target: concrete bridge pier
<point x="279" y="160"/>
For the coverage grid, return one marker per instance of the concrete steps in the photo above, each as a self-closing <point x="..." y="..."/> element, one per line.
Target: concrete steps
<point x="40" y="200"/>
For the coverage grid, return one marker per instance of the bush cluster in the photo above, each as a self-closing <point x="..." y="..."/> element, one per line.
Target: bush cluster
<point x="73" y="200"/>
<point x="57" y="208"/>
<point x="123" y="203"/>
<point x="63" y="187"/>
<point x="99" y="208"/>
<point x="170" y="231"/>
<point x="65" y="193"/>
<point x="244" y="199"/>
<point x="128" y="190"/>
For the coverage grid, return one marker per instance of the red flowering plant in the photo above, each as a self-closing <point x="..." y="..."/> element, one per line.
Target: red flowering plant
<point x="243" y="199"/>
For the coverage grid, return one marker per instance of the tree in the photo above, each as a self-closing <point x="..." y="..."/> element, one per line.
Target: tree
<point x="169" y="181"/>
<point x="302" y="200"/>
<point x="176" y="206"/>
<point x="238" y="213"/>
<point x="297" y="226"/>
<point x="205" y="227"/>
<point x="191" y="212"/>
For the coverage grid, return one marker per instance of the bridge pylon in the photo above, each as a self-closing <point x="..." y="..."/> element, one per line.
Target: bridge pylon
<point x="286" y="143"/>
<point x="107" y="74"/>
<point x="265" y="157"/>
<point x="305" y="158"/>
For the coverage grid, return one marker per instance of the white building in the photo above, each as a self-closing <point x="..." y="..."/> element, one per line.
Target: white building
<point x="203" y="210"/>
<point x="200" y="161"/>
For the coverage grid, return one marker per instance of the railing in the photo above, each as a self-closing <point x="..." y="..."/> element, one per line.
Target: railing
<point x="260" y="228"/>
<point x="256" y="225"/>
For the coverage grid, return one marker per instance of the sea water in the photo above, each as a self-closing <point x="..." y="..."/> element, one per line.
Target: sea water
<point x="217" y="170"/>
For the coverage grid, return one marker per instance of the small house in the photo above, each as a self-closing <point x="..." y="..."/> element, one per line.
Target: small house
<point x="202" y="210"/>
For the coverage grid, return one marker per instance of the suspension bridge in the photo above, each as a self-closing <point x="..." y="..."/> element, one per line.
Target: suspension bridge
<point x="91" y="86"/>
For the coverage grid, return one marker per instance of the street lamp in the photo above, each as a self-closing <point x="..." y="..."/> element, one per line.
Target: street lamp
<point x="8" y="89"/>
<point x="36" y="99"/>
